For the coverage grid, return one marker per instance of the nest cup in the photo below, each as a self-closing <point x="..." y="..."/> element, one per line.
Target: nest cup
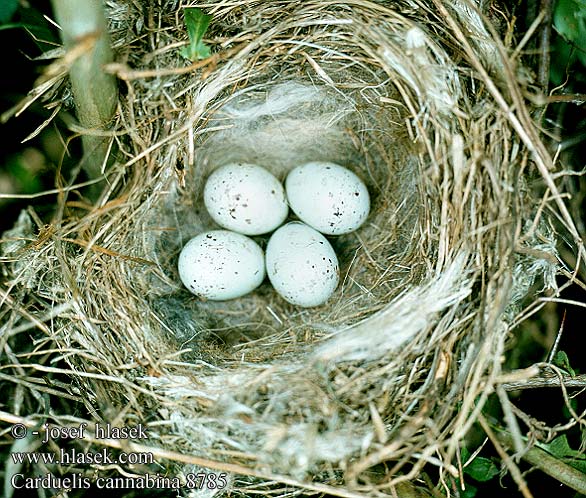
<point x="280" y="126"/>
<point x="392" y="366"/>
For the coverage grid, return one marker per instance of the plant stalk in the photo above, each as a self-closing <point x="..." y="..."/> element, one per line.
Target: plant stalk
<point x="550" y="465"/>
<point x="94" y="91"/>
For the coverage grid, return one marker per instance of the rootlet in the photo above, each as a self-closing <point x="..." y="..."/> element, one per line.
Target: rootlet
<point x="101" y="431"/>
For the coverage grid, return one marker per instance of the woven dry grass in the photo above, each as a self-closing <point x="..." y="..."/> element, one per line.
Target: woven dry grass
<point x="421" y="99"/>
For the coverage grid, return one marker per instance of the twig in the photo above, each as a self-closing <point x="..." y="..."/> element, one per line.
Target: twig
<point x="511" y="420"/>
<point x="512" y="466"/>
<point x="545" y="10"/>
<point x="553" y="381"/>
<point x="125" y="73"/>
<point x="574" y="98"/>
<point x="61" y="190"/>
<point x="554" y="348"/>
<point x="550" y="465"/>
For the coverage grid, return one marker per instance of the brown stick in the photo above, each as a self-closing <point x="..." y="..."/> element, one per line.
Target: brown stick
<point x="553" y="381"/>
<point x="544" y="44"/>
<point x="513" y="469"/>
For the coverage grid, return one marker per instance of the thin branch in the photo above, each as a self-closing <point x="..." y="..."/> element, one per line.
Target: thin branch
<point x="512" y="466"/>
<point x="545" y="10"/>
<point x="510" y="419"/>
<point x="550" y="465"/>
<point x="554" y="348"/>
<point x="553" y="381"/>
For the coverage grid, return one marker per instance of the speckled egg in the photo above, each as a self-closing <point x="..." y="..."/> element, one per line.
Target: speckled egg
<point x="328" y="197"/>
<point x="245" y="198"/>
<point x="220" y="265"/>
<point x="302" y="265"/>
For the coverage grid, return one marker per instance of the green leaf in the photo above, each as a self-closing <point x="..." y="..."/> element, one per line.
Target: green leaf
<point x="563" y="57"/>
<point x="481" y="469"/>
<point x="569" y="20"/>
<point x="465" y="454"/>
<point x="28" y="182"/>
<point x="197" y="24"/>
<point x="561" y="449"/>
<point x="561" y="360"/>
<point x="469" y="492"/>
<point x="36" y="26"/>
<point x="7" y="10"/>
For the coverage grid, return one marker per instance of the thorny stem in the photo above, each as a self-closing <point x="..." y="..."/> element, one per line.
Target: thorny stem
<point x="94" y="90"/>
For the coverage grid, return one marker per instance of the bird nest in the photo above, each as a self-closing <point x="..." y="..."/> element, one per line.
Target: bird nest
<point x="421" y="101"/>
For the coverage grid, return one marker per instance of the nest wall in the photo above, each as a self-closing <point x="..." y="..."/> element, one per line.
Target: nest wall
<point x="395" y="367"/>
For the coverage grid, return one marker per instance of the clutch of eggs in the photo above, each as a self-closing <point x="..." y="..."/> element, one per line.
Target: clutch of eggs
<point x="301" y="264"/>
